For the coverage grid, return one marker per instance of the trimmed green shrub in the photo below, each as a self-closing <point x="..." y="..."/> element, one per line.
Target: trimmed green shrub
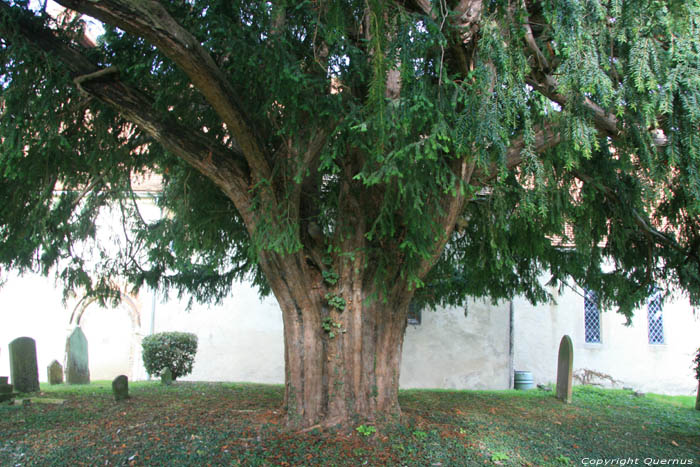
<point x="174" y="350"/>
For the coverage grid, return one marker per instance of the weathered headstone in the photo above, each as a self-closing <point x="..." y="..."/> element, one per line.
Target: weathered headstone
<point x="120" y="388"/>
<point x="23" y="368"/>
<point x="564" y="369"/>
<point x="77" y="370"/>
<point x="166" y="376"/>
<point x="55" y="373"/>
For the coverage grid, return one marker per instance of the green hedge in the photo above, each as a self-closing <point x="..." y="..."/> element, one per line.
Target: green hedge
<point x="174" y="350"/>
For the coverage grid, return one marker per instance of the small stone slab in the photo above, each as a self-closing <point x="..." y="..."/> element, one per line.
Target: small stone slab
<point x="45" y="400"/>
<point x="120" y="388"/>
<point x="6" y="392"/>
<point x="55" y="373"/>
<point x="166" y="377"/>
<point x="565" y="369"/>
<point x="23" y="367"/>
<point x="77" y="368"/>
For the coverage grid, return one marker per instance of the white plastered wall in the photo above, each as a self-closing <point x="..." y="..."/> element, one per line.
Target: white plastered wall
<point x="239" y="340"/>
<point x="454" y="350"/>
<point x="30" y="306"/>
<point x="624" y="353"/>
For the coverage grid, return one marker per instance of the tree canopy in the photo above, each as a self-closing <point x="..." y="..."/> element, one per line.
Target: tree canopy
<point x="441" y="149"/>
<point x="575" y="113"/>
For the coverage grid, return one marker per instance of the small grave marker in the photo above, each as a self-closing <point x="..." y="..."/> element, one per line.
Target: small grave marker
<point x="120" y="388"/>
<point x="166" y="377"/>
<point x="55" y="372"/>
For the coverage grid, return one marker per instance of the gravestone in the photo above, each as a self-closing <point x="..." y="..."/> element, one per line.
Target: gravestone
<point x="120" y="388"/>
<point x="77" y="370"/>
<point x="55" y="373"/>
<point x="6" y="393"/>
<point x="166" y="377"/>
<point x="23" y="368"/>
<point x="564" y="369"/>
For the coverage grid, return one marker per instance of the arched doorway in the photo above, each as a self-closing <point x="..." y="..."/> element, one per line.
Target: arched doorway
<point x="113" y="335"/>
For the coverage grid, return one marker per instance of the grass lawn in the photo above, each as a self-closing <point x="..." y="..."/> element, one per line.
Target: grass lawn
<point x="239" y="424"/>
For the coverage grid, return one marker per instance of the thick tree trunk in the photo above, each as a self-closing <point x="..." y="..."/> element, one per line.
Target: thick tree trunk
<point x="342" y="366"/>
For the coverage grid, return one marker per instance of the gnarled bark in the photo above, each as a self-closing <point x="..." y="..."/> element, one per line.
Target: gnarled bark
<point x="342" y="365"/>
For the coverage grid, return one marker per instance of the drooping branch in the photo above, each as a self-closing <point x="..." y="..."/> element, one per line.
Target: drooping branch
<point x="150" y="20"/>
<point x="546" y="137"/>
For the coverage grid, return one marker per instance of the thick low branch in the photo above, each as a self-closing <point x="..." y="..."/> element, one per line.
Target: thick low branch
<point x="222" y="166"/>
<point x="150" y="20"/>
<point x="209" y="158"/>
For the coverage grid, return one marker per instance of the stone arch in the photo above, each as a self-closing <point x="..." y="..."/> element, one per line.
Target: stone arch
<point x="87" y="300"/>
<point x="130" y="305"/>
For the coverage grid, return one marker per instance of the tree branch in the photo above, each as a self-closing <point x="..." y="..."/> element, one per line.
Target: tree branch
<point x="532" y="44"/>
<point x="604" y="121"/>
<point x="546" y="137"/>
<point x="453" y="209"/>
<point x="222" y="166"/>
<point x="150" y="20"/>
<point x="210" y="159"/>
<point x="638" y="219"/>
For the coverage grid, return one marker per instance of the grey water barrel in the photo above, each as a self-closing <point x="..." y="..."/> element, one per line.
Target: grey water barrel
<point x="523" y="380"/>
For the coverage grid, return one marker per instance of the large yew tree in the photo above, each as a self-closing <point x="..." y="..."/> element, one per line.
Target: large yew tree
<point x="354" y="157"/>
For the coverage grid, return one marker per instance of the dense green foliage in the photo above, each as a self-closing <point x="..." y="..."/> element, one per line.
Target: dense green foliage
<point x="594" y="127"/>
<point x="234" y="424"/>
<point x="174" y="350"/>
